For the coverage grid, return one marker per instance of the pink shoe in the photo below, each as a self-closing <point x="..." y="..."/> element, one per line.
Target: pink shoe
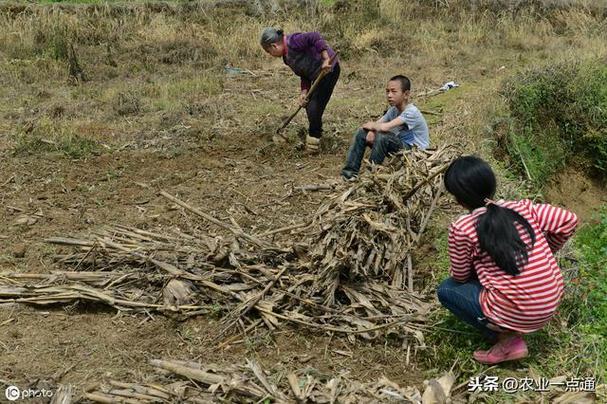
<point x="510" y="349"/>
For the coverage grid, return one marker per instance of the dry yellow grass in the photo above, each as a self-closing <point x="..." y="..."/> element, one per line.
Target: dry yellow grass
<point x="158" y="53"/>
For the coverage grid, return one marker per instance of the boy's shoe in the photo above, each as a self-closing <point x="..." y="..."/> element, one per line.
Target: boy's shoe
<point x="348" y="175"/>
<point x="510" y="349"/>
<point x="312" y="143"/>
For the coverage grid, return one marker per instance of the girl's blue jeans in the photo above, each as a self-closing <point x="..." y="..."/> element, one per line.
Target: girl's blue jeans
<point x="462" y="299"/>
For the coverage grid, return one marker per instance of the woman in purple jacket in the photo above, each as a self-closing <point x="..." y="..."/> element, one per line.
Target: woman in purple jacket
<point x="307" y="54"/>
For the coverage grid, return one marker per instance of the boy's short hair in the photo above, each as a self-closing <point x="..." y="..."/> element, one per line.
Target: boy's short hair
<point x="405" y="83"/>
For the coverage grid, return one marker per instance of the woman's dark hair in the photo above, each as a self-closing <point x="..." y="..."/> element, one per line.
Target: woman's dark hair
<point x="472" y="182"/>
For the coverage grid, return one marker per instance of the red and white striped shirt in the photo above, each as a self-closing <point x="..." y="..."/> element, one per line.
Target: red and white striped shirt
<point x="527" y="301"/>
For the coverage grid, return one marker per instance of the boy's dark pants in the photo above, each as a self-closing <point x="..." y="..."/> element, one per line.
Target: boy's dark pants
<point x="384" y="145"/>
<point x="319" y="100"/>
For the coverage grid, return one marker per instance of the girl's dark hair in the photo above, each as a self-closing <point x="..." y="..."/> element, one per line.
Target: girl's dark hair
<point x="471" y="181"/>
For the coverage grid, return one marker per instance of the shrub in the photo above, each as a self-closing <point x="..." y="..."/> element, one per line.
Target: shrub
<point x="558" y="117"/>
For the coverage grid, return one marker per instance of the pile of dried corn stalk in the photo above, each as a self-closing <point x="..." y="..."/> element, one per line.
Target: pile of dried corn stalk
<point x="370" y="230"/>
<point x="191" y="382"/>
<point x="349" y="270"/>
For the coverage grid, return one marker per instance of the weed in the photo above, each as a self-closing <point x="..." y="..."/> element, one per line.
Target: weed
<point x="126" y="103"/>
<point x="216" y="310"/>
<point x="45" y="137"/>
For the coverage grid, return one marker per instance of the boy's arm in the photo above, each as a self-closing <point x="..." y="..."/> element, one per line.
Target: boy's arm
<point x="460" y="254"/>
<point x="383" y="119"/>
<point x="381" y="126"/>
<point x="557" y="224"/>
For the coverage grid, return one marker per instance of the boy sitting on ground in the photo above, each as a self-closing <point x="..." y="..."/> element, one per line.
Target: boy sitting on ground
<point x="402" y="126"/>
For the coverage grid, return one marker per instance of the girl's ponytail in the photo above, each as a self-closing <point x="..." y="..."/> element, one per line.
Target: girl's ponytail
<point x="499" y="236"/>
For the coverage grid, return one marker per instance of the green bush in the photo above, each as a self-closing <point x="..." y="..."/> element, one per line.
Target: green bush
<point x="559" y="117"/>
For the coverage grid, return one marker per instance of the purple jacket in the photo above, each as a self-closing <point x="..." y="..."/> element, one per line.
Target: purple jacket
<point x="304" y="55"/>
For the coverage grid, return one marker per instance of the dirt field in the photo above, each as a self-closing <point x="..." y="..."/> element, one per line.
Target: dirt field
<point x="76" y="156"/>
<point x="227" y="177"/>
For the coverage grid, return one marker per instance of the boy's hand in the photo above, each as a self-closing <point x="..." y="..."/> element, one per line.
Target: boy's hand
<point x="370" y="137"/>
<point x="369" y="126"/>
<point x="303" y="98"/>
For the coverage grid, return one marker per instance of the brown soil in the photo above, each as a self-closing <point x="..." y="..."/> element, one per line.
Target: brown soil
<point x="578" y="192"/>
<point x="84" y="346"/>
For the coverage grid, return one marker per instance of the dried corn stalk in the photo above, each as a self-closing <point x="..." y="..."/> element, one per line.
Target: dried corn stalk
<point x="348" y="271"/>
<point x="193" y="383"/>
<point x="372" y="229"/>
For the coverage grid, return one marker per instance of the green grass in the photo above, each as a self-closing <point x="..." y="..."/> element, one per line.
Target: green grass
<point x="591" y="247"/>
<point x="539" y="156"/>
<point x="71" y="146"/>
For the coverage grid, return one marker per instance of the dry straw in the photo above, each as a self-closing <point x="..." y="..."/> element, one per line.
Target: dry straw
<point x="194" y="383"/>
<point x="348" y="271"/>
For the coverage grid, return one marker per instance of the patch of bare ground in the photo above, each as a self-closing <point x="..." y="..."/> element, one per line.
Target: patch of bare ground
<point x="579" y="192"/>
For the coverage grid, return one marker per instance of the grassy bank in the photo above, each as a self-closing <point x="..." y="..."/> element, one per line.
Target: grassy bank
<point x="557" y="117"/>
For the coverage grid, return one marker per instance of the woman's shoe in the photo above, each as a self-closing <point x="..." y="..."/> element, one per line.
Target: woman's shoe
<point x="312" y="143"/>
